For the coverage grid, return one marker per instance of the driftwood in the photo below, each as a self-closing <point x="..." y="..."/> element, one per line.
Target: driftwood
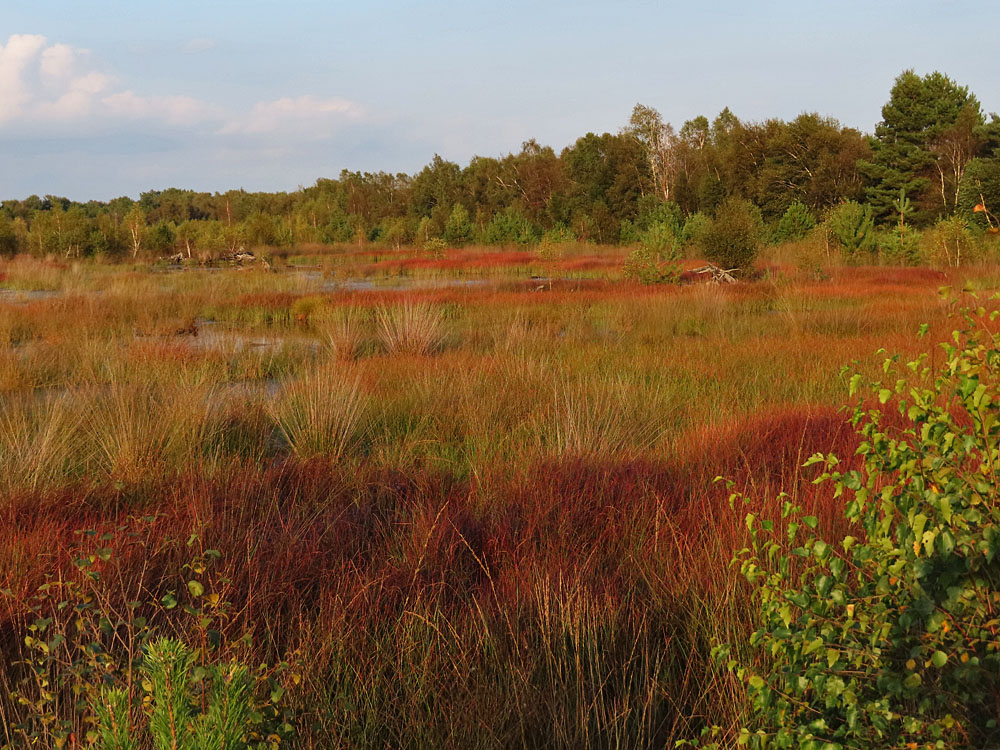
<point x="719" y="275"/>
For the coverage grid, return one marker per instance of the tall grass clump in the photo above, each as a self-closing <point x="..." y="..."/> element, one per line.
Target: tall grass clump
<point x="344" y="330"/>
<point x="411" y="328"/>
<point x="136" y="427"/>
<point x="38" y="438"/>
<point x="600" y="418"/>
<point x="319" y="413"/>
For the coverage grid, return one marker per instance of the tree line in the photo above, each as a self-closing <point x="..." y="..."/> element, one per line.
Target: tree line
<point x="933" y="158"/>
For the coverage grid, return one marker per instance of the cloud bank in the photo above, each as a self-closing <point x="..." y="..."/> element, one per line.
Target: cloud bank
<point x="60" y="89"/>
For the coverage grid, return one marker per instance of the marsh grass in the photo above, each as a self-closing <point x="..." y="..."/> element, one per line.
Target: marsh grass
<point x="345" y="330"/>
<point x="138" y="429"/>
<point x="320" y="413"/>
<point x="39" y="439"/>
<point x="412" y="328"/>
<point x="515" y="542"/>
<point x="600" y="417"/>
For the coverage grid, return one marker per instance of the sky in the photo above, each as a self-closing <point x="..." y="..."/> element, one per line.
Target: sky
<point x="116" y="97"/>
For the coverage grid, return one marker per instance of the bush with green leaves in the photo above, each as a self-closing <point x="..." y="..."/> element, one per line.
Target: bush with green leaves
<point x="693" y="228"/>
<point x="853" y="227"/>
<point x="458" y="230"/>
<point x="117" y="664"/>
<point x="188" y="707"/>
<point x="647" y="267"/>
<point x="795" y="223"/>
<point x="899" y="249"/>
<point x="952" y="242"/>
<point x="732" y="238"/>
<point x="510" y="227"/>
<point x="890" y="637"/>
<point x="980" y="187"/>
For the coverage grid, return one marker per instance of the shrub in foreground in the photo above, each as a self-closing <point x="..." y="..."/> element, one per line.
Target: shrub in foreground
<point x="889" y="639"/>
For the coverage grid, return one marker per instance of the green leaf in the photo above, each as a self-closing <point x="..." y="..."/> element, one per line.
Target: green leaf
<point x="939" y="659"/>
<point x="196" y="588"/>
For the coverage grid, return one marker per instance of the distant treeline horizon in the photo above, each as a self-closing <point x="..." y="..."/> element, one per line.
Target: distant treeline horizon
<point x="934" y="156"/>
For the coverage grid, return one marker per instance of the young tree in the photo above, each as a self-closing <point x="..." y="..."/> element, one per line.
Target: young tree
<point x="795" y="223"/>
<point x="458" y="230"/>
<point x="135" y="223"/>
<point x="853" y="227"/>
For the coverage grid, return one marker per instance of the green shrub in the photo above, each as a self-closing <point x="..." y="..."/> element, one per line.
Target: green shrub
<point x="436" y="247"/>
<point x="853" y="227"/>
<point x="795" y="223"/>
<point x="559" y="234"/>
<point x="903" y="250"/>
<point x="732" y="238"/>
<point x="95" y="670"/>
<point x="647" y="267"/>
<point x="510" y="227"/>
<point x="458" y="230"/>
<point x="694" y="228"/>
<point x="889" y="638"/>
<point x="951" y="242"/>
<point x="662" y="239"/>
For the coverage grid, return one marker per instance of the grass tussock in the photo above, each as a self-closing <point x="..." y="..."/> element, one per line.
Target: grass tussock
<point x="412" y="328"/>
<point x="320" y="414"/>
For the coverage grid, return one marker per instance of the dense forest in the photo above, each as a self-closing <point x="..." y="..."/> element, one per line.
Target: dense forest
<point x="933" y="162"/>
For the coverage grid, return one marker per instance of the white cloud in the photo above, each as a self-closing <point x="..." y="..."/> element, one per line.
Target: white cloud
<point x="56" y="87"/>
<point x="305" y="116"/>
<point x="15" y="58"/>
<point x="52" y="85"/>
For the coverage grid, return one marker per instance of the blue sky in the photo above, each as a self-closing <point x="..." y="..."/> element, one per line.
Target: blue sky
<point x="110" y="98"/>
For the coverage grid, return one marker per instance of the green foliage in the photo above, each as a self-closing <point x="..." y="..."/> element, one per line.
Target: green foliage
<point x="510" y="227"/>
<point x="113" y="721"/>
<point x="711" y="193"/>
<point x="795" y="223"/>
<point x="951" y="242"/>
<point x="662" y="239"/>
<point x="436" y="247"/>
<point x="852" y="226"/>
<point x="981" y="187"/>
<point x="551" y="245"/>
<point x="85" y="651"/>
<point x="8" y="238"/>
<point x="396" y="231"/>
<point x="899" y="249"/>
<point x="888" y="638"/>
<point x="694" y="228"/>
<point x="732" y="238"/>
<point x="458" y="230"/>
<point x="647" y="267"/>
<point x="160" y="238"/>
<point x="918" y="123"/>
<point x="176" y="687"/>
<point x="560" y="234"/>
<point x="426" y="230"/>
